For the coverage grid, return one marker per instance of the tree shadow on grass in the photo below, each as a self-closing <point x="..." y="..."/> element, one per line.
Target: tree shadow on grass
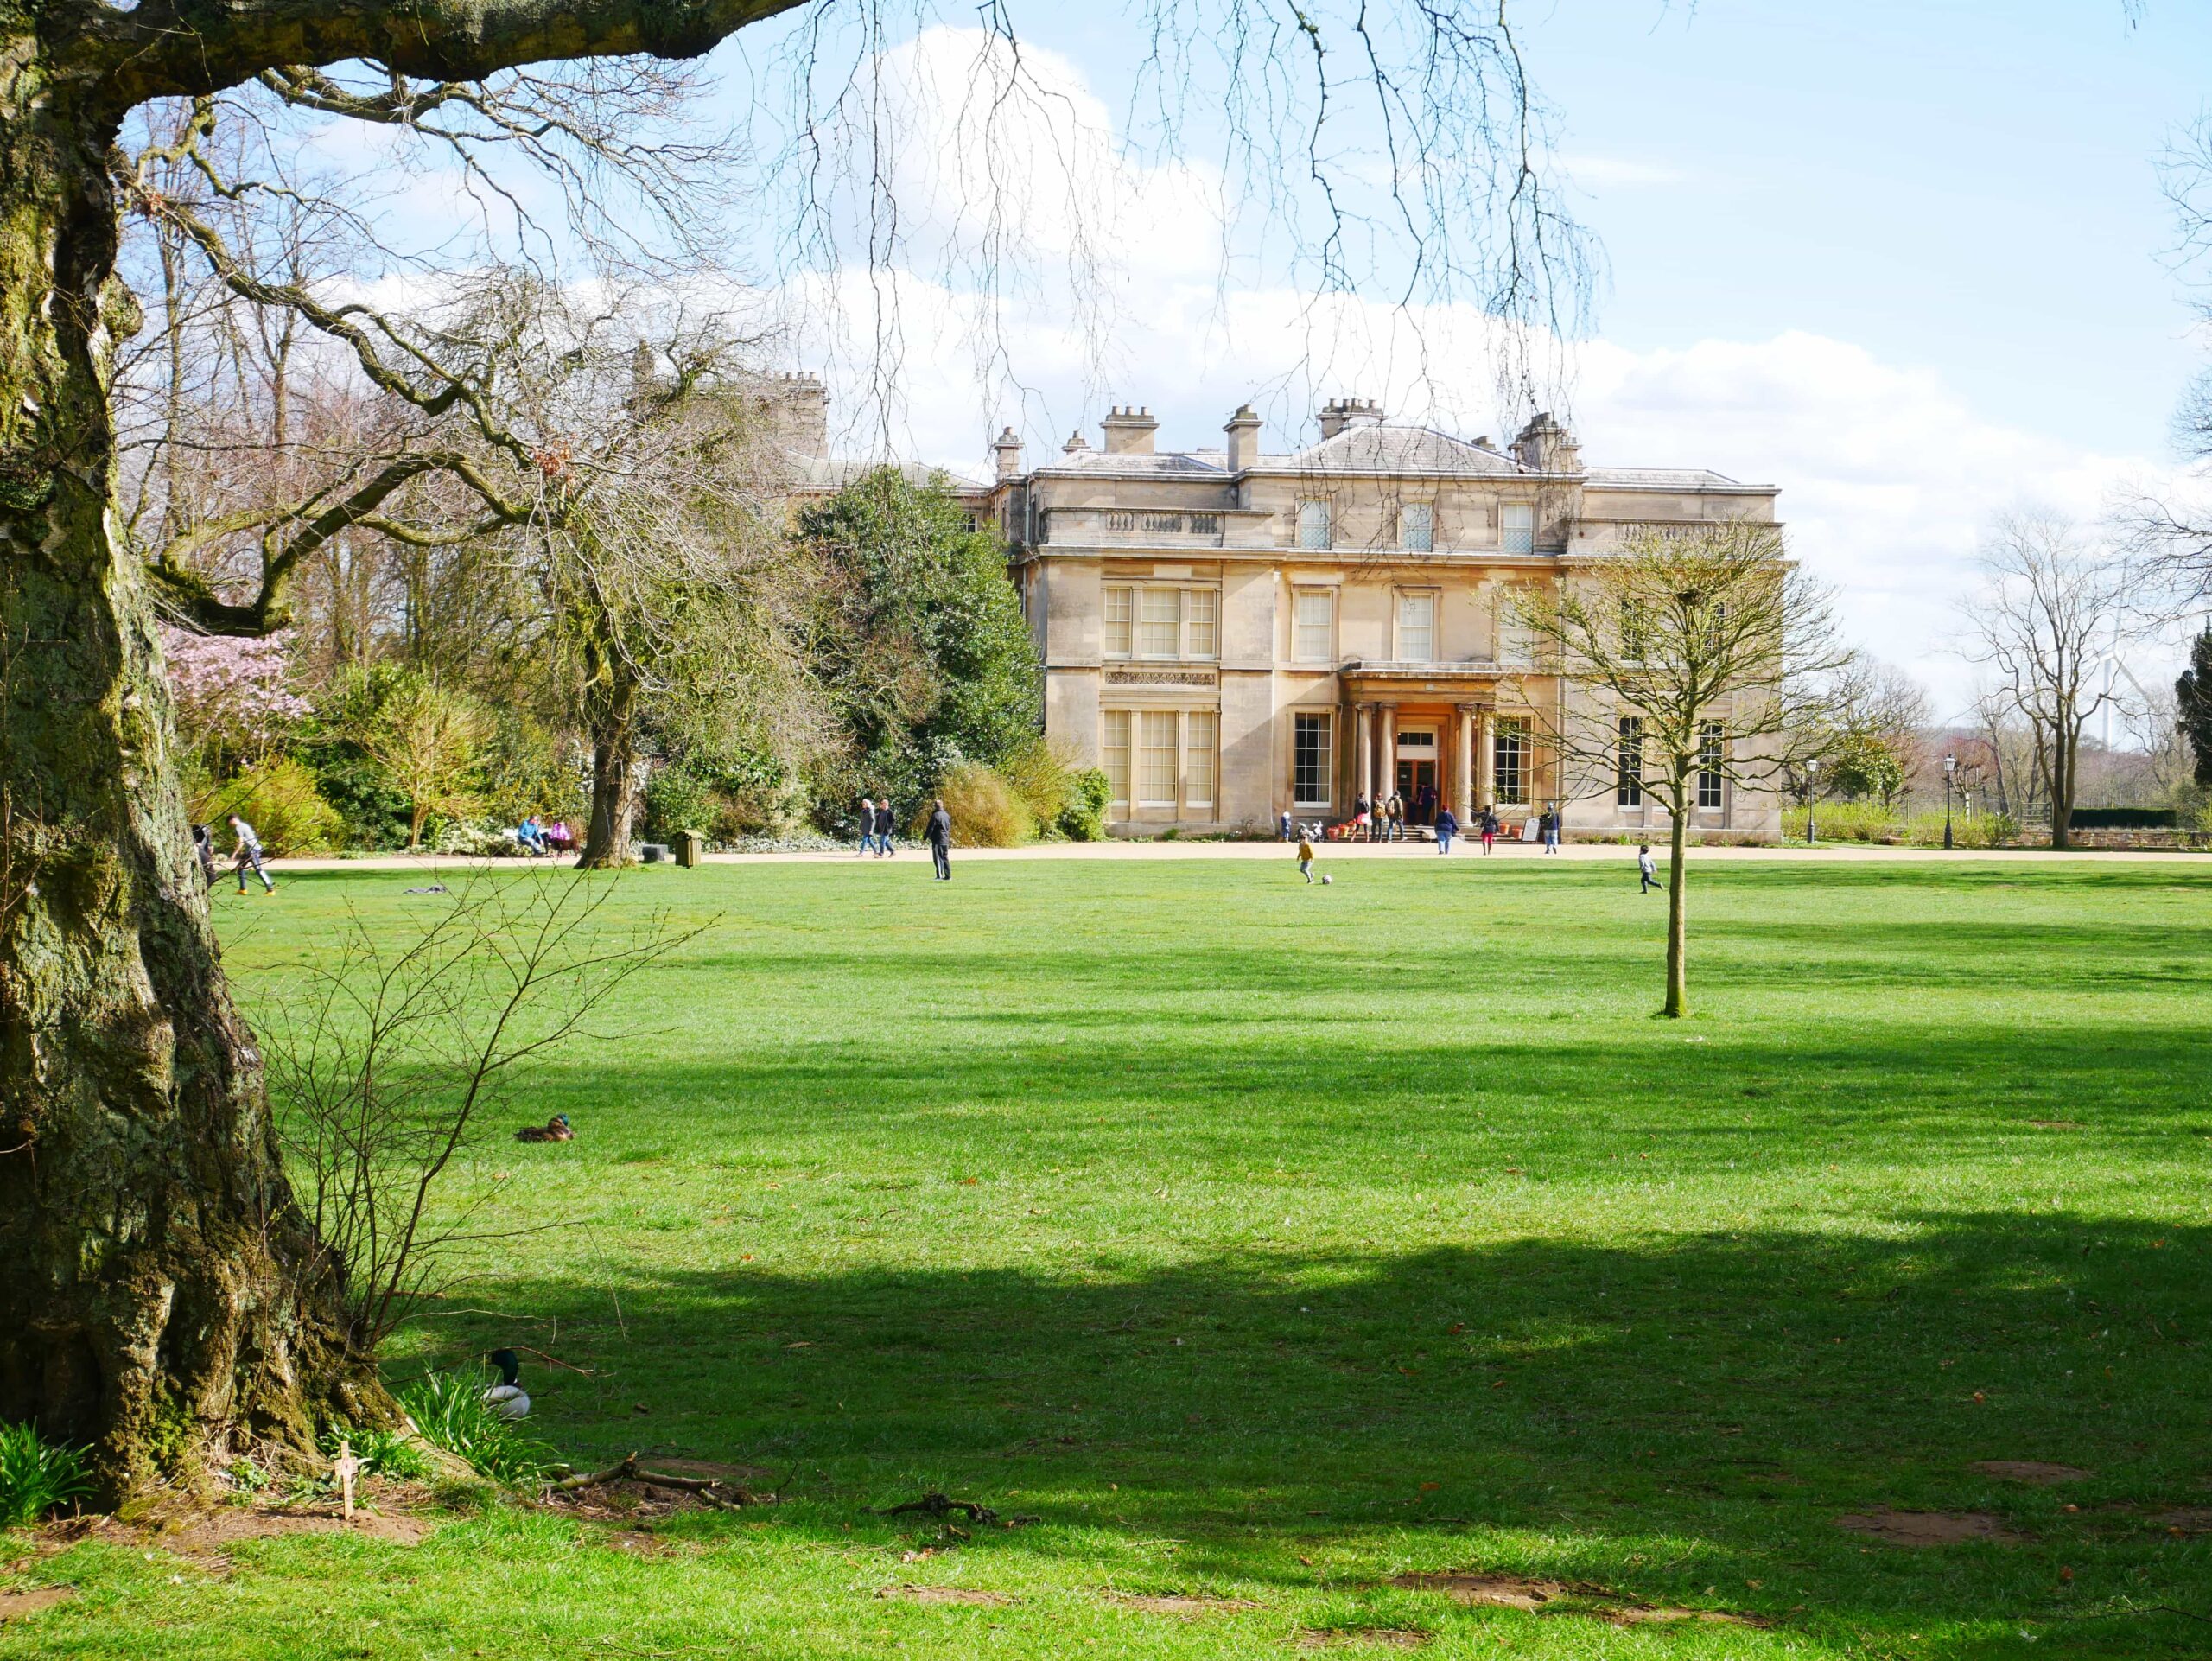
<point x="1668" y="1419"/>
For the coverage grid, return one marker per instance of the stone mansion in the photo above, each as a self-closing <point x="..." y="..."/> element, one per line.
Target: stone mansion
<point x="1230" y="632"/>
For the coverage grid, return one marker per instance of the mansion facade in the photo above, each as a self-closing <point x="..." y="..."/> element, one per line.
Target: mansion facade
<point x="1229" y="634"/>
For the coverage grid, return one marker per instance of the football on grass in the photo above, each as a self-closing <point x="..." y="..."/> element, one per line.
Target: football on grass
<point x="1328" y="880"/>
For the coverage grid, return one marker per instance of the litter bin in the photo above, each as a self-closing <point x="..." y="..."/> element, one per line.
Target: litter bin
<point x="689" y="845"/>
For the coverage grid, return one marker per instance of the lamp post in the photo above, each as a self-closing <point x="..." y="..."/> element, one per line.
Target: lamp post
<point x="1950" y="766"/>
<point x="1812" y="800"/>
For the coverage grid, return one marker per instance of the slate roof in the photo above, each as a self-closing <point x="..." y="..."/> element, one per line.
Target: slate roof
<point x="1662" y="479"/>
<point x="1386" y="446"/>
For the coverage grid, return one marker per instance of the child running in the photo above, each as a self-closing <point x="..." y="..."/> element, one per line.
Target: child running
<point x="1646" y="869"/>
<point x="1305" y="857"/>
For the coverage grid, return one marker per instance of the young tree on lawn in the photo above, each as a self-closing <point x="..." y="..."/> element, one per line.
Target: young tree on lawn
<point x="159" y="1285"/>
<point x="1688" y="653"/>
<point x="427" y="738"/>
<point x="2049" y="611"/>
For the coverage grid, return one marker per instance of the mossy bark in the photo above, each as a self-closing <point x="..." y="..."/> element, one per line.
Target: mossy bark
<point x="158" y="1290"/>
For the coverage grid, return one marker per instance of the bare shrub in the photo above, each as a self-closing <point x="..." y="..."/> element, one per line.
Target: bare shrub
<point x="386" y="1067"/>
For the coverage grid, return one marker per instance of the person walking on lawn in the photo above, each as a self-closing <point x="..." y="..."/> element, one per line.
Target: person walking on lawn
<point x="1646" y="869"/>
<point x="867" y="826"/>
<point x="250" y="854"/>
<point x="884" y="825"/>
<point x="940" y="834"/>
<point x="1448" y="826"/>
<point x="1305" y="857"/>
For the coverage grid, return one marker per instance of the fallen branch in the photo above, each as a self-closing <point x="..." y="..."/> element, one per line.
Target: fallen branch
<point x="628" y="1467"/>
<point x="712" y="1489"/>
<point x="934" y="1504"/>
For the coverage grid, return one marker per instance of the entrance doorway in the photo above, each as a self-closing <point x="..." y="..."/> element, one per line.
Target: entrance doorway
<point x="1417" y="780"/>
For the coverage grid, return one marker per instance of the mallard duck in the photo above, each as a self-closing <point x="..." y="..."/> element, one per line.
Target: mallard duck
<point x="507" y="1397"/>
<point x="556" y="1129"/>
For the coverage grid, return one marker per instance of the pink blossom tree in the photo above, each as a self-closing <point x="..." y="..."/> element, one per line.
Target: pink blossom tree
<point x="233" y="696"/>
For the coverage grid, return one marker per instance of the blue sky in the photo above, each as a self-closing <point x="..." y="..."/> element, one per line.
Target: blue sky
<point x="1902" y="259"/>
<point x="1966" y="186"/>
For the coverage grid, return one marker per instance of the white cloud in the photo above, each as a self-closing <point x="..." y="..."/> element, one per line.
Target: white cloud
<point x="1620" y="172"/>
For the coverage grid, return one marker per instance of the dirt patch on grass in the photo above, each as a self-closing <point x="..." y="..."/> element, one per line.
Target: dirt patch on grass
<point x="1928" y="1528"/>
<point x="963" y="1595"/>
<point x="2185" y="1519"/>
<point x="1346" y="1637"/>
<point x="15" y="1606"/>
<point x="1176" y="1604"/>
<point x="214" y="1530"/>
<point x="2039" y="1472"/>
<point x="1498" y="1591"/>
<point x="1556" y="1597"/>
<point x="1661" y="1614"/>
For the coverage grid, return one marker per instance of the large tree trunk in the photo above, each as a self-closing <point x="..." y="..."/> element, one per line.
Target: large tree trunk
<point x="1678" y="968"/>
<point x="614" y="782"/>
<point x="159" y="1291"/>
<point x="2065" y="761"/>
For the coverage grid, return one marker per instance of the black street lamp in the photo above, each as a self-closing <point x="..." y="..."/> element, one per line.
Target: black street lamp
<point x="1812" y="800"/>
<point x="1950" y="766"/>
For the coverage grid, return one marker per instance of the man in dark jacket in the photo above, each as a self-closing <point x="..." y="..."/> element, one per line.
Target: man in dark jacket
<point x="884" y="823"/>
<point x="941" y="840"/>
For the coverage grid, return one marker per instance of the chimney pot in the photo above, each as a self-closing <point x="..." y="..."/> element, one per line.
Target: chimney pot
<point x="1128" y="431"/>
<point x="1243" y="431"/>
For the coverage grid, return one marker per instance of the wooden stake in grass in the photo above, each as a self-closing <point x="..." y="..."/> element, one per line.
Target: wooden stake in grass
<point x="346" y="1467"/>
<point x="1693" y="658"/>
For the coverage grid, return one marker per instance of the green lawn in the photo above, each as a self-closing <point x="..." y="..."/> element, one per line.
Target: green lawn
<point x="1267" y="1242"/>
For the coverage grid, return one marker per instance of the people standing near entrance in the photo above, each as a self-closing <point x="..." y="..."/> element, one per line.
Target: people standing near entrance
<point x="940" y="834"/>
<point x="1488" y="827"/>
<point x="884" y="823"/>
<point x="1425" y="805"/>
<point x="867" y="826"/>
<point x="1285" y="829"/>
<point x="250" y="854"/>
<point x="1394" y="826"/>
<point x="1360" y="826"/>
<point x="1304" y="857"/>
<point x="1646" y="869"/>
<point x="1551" y="830"/>
<point x="1448" y="826"/>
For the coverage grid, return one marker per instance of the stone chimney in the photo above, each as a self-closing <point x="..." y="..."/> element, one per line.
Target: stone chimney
<point x="1339" y="413"/>
<point x="1243" y="431"/>
<point x="1006" y="451"/>
<point x="1128" y="431"/>
<point x="1546" y="447"/>
<point x="1077" y="443"/>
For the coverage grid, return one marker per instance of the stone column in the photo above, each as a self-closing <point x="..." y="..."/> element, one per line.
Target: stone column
<point x="1463" y="764"/>
<point x="1486" y="758"/>
<point x="1387" y="746"/>
<point x="1363" y="718"/>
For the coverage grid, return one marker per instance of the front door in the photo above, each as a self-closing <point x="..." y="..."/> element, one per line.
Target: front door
<point x="1412" y="776"/>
